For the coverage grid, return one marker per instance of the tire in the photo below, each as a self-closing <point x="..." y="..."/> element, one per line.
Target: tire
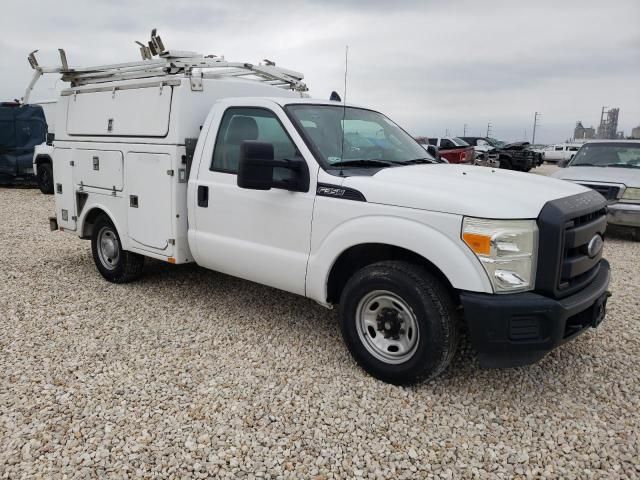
<point x="505" y="163"/>
<point x="393" y="303"/>
<point x="45" y="178"/>
<point x="114" y="264"/>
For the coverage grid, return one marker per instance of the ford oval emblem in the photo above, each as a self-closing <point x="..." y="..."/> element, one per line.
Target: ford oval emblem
<point x="595" y="245"/>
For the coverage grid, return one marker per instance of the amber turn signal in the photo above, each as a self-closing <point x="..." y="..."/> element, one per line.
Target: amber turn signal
<point x="480" y="244"/>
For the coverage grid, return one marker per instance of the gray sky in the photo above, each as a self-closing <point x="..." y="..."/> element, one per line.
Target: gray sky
<point x="431" y="65"/>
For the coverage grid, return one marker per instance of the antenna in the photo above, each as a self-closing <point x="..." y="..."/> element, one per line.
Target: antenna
<point x="344" y="104"/>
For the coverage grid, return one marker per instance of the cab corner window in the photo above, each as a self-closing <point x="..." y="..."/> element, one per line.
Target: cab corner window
<point x="241" y="124"/>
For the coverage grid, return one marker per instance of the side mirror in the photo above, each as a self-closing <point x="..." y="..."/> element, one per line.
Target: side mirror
<point x="563" y="163"/>
<point x="255" y="168"/>
<point x="256" y="165"/>
<point x="433" y="151"/>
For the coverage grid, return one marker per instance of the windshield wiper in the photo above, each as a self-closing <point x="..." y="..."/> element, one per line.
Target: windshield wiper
<point x="419" y="160"/>
<point x="363" y="163"/>
<point x="584" y="165"/>
<point x="621" y="165"/>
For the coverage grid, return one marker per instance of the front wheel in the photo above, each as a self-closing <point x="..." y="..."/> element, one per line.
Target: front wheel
<point x="505" y="164"/>
<point x="398" y="322"/>
<point x="45" y="178"/>
<point x="113" y="263"/>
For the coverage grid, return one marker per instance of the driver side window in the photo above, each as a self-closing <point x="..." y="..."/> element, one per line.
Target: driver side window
<point x="240" y="124"/>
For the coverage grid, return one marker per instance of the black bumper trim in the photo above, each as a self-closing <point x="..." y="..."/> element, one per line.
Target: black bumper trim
<point x="519" y="329"/>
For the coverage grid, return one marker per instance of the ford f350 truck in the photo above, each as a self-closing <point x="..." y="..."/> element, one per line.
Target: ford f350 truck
<point x="326" y="200"/>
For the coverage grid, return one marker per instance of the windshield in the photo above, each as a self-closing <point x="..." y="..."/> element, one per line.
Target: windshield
<point x="370" y="138"/>
<point x="459" y="142"/>
<point x="495" y="143"/>
<point x="608" y="155"/>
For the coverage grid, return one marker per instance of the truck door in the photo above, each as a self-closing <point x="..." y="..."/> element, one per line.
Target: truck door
<point x="260" y="235"/>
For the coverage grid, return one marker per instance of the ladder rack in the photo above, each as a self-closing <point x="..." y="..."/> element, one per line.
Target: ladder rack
<point x="168" y="63"/>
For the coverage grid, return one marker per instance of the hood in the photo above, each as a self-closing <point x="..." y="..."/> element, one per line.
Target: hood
<point x="627" y="176"/>
<point x="516" y="146"/>
<point x="463" y="190"/>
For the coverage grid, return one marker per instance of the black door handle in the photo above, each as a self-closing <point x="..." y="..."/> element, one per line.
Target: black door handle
<point x="203" y="196"/>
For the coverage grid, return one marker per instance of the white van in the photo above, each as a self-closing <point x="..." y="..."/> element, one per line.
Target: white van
<point x="561" y="151"/>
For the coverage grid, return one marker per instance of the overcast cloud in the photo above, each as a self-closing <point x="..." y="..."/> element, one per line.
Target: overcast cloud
<point x="431" y="65"/>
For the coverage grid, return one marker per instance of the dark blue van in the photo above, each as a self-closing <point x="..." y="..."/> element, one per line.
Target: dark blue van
<point x="22" y="127"/>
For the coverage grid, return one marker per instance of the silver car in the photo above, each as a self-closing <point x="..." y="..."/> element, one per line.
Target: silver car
<point x="611" y="167"/>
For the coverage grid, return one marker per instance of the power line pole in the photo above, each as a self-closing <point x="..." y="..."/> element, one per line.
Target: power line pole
<point x="489" y="127"/>
<point x="464" y="134"/>
<point x="535" y="124"/>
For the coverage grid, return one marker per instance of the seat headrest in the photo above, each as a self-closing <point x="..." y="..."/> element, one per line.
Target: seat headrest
<point x="240" y="129"/>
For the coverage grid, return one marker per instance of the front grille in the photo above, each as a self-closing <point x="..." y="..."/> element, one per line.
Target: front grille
<point x="610" y="192"/>
<point x="566" y="226"/>
<point x="577" y="267"/>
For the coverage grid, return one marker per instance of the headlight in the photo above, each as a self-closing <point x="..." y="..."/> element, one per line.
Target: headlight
<point x="632" y="194"/>
<point x="507" y="250"/>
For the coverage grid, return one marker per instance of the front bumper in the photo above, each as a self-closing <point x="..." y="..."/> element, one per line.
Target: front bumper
<point x="624" y="214"/>
<point x="519" y="329"/>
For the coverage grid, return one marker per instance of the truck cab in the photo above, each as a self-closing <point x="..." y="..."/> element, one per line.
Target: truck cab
<point x="330" y="201"/>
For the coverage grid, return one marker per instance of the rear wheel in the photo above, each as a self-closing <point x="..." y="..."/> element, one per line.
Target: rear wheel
<point x="398" y="322"/>
<point x="45" y="178"/>
<point x="113" y="263"/>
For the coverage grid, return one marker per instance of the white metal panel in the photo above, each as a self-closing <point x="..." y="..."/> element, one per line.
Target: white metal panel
<point x="151" y="212"/>
<point x="99" y="168"/>
<point x="64" y="188"/>
<point x="140" y="112"/>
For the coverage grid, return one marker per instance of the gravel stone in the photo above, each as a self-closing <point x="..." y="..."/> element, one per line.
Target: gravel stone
<point x="191" y="373"/>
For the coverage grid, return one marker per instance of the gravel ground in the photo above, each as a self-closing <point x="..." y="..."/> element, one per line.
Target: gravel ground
<point x="193" y="373"/>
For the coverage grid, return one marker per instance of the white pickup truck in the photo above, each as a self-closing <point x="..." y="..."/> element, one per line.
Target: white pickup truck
<point x="329" y="201"/>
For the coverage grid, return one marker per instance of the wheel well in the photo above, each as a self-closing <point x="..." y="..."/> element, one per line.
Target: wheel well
<point x="40" y="159"/>
<point x="359" y="256"/>
<point x="90" y="220"/>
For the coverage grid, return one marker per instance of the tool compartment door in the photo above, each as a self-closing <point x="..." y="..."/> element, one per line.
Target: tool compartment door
<point x="150" y="201"/>
<point x="98" y="168"/>
<point x="64" y="188"/>
<point x="139" y="112"/>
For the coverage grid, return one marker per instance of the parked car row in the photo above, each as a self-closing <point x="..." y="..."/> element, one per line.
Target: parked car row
<point x="485" y="151"/>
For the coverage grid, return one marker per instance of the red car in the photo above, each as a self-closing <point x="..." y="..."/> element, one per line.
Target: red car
<point x="453" y="149"/>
